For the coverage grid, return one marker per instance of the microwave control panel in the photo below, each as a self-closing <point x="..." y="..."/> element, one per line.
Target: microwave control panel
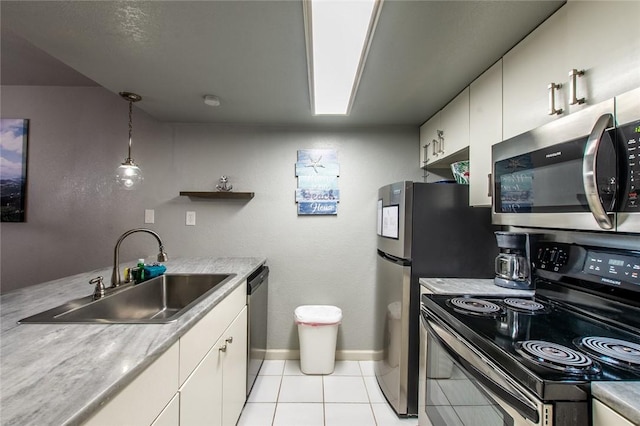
<point x="631" y="134"/>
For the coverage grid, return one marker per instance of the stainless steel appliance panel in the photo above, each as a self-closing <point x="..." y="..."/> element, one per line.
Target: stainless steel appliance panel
<point x="574" y="126"/>
<point x="394" y="275"/>
<point x="628" y="114"/>
<point x="257" y="307"/>
<point x="438" y="235"/>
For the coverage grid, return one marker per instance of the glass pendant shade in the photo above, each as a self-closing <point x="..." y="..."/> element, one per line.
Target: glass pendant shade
<point x="128" y="174"/>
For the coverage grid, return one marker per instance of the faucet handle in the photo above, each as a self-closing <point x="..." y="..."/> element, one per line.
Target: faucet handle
<point x="99" y="290"/>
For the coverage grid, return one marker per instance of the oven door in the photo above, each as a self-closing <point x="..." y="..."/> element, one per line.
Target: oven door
<point x="459" y="386"/>
<point x="561" y="175"/>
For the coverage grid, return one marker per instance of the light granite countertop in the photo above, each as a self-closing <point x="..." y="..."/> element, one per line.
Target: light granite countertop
<point x="63" y="373"/>
<point x="622" y="397"/>
<point x="469" y="286"/>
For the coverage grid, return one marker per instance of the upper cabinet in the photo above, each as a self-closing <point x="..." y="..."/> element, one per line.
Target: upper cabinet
<point x="446" y="134"/>
<point x="485" y="128"/>
<point x="585" y="53"/>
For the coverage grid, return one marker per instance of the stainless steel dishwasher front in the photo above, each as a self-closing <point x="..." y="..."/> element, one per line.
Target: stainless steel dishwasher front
<point x="257" y="305"/>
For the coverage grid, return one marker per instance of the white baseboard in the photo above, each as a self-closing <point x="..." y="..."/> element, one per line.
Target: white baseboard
<point x="343" y="355"/>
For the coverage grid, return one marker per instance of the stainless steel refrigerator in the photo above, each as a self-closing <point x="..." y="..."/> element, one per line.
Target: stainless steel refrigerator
<point x="425" y="230"/>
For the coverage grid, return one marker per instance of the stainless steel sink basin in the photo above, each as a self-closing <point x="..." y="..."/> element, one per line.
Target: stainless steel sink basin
<point x="160" y="300"/>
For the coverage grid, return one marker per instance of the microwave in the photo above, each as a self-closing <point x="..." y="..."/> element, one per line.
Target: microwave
<point x="580" y="172"/>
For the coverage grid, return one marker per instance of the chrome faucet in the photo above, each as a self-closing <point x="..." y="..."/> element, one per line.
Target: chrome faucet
<point x="115" y="276"/>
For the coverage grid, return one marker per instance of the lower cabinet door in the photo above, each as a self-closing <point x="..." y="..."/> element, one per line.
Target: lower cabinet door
<point x="234" y="372"/>
<point x="170" y="416"/>
<point x="201" y="394"/>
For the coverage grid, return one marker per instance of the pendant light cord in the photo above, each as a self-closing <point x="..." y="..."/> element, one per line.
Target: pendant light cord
<point x="130" y="127"/>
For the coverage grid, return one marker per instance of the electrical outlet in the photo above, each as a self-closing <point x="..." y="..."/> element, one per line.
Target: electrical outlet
<point x="149" y="216"/>
<point x="191" y="218"/>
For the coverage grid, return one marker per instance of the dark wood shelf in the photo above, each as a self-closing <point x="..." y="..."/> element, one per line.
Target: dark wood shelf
<point x="218" y="195"/>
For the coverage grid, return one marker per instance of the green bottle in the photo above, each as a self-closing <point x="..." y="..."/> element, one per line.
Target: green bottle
<point x="140" y="270"/>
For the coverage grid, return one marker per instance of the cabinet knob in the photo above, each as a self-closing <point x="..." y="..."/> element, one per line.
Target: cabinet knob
<point x="229" y="339"/>
<point x="223" y="348"/>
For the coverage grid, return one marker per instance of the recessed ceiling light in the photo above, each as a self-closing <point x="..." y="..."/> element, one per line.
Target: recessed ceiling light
<point x="338" y="35"/>
<point x="212" y="100"/>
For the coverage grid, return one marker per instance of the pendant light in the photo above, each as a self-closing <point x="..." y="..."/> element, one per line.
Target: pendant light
<point x="129" y="175"/>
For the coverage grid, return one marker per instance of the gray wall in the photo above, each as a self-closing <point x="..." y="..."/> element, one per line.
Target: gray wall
<point x="75" y="215"/>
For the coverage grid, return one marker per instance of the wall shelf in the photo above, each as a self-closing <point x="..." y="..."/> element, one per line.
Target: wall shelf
<point x="218" y="195"/>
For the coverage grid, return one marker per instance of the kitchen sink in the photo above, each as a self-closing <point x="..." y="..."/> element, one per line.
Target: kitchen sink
<point x="160" y="300"/>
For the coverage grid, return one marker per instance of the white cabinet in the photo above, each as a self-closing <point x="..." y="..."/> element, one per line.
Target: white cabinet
<point x="605" y="416"/>
<point x="603" y="41"/>
<point x="145" y="398"/>
<point x="201" y="379"/>
<point x="599" y="38"/>
<point x="170" y="416"/>
<point x="215" y="390"/>
<point x="234" y="370"/>
<point x="429" y="140"/>
<point x="446" y="133"/>
<point x="485" y="128"/>
<point x="528" y="69"/>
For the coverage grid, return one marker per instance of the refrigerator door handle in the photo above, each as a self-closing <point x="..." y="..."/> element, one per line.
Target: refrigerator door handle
<point x="394" y="259"/>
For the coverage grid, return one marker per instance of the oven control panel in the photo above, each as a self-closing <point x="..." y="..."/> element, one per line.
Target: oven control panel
<point x="613" y="268"/>
<point x="552" y="257"/>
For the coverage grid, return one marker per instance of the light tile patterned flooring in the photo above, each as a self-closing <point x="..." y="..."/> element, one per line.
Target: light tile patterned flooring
<point x="284" y="396"/>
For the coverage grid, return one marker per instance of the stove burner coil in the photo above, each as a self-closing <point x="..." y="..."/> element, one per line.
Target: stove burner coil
<point x="612" y="350"/>
<point x="523" y="304"/>
<point x="475" y="306"/>
<point x="556" y="356"/>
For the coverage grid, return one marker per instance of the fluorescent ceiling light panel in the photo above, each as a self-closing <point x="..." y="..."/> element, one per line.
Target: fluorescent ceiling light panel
<point x="338" y="37"/>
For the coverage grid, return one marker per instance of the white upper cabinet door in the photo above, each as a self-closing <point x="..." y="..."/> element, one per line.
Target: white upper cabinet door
<point x="528" y="70"/>
<point x="455" y="125"/>
<point x="429" y="140"/>
<point x="485" y="129"/>
<point x="604" y="42"/>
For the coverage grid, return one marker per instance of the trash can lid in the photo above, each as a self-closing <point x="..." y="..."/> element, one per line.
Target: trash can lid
<point x="318" y="314"/>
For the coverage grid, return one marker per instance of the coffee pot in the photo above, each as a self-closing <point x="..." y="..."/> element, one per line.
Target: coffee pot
<point x="513" y="264"/>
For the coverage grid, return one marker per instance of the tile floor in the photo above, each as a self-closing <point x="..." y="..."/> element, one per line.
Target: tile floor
<point x="283" y="396"/>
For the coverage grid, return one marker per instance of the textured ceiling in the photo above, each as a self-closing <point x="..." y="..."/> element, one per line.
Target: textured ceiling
<point x="251" y="54"/>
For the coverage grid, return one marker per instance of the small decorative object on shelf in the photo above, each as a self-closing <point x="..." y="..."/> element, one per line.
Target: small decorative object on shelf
<point x="224" y="184"/>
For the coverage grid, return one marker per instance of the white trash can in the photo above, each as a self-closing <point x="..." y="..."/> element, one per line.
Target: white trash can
<point x="318" y="332"/>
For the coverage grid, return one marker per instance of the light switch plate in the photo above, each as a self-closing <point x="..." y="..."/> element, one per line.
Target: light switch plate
<point x="191" y="218"/>
<point x="149" y="216"/>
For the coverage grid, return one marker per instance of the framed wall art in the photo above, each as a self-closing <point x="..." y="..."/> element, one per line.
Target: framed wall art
<point x="14" y="133"/>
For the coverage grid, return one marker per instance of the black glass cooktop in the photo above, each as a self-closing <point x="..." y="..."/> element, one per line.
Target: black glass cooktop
<point x="518" y="334"/>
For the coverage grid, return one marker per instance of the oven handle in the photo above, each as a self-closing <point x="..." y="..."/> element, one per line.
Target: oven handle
<point x="482" y="369"/>
<point x="589" y="171"/>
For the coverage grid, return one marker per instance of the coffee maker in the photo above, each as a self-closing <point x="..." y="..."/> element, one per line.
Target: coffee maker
<point x="513" y="264"/>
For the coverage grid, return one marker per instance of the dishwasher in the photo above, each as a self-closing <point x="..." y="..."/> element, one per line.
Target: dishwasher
<point x="257" y="303"/>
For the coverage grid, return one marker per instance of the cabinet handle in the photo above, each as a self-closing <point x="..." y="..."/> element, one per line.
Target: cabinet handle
<point x="489" y="186"/>
<point x="552" y="99"/>
<point x="426" y="153"/>
<point x="441" y="141"/>
<point x="229" y="339"/>
<point x="223" y="348"/>
<point x="573" y="77"/>
<point x="433" y="146"/>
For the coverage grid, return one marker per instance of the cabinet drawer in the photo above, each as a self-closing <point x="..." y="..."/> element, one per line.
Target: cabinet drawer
<point x="195" y="344"/>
